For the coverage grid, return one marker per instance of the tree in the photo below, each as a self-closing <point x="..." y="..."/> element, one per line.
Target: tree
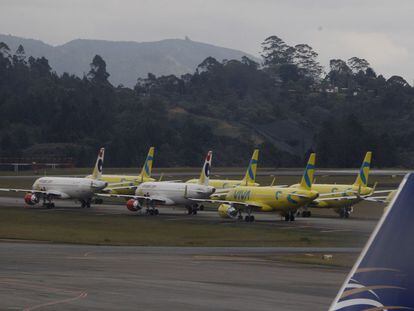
<point x="98" y="72"/>
<point x="340" y="74"/>
<point x="20" y="56"/>
<point x="276" y="52"/>
<point x="208" y="64"/>
<point x="397" y="81"/>
<point x="358" y="65"/>
<point x="306" y="59"/>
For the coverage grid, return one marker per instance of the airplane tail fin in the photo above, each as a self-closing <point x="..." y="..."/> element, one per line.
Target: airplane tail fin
<point x="205" y="171"/>
<point x="97" y="171"/>
<point x="383" y="276"/>
<point x="362" y="178"/>
<point x="306" y="182"/>
<point x="147" y="168"/>
<point x="250" y="177"/>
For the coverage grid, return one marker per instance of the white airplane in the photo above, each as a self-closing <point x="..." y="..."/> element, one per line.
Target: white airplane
<point x="148" y="194"/>
<point x="66" y="188"/>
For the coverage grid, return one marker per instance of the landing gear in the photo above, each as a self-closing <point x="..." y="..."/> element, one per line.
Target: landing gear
<point x="86" y="203"/>
<point x="49" y="205"/>
<point x="306" y="214"/>
<point x="151" y="210"/>
<point x="345" y="212"/>
<point x="47" y="202"/>
<point x="249" y="218"/>
<point x="290" y="216"/>
<point x="192" y="209"/>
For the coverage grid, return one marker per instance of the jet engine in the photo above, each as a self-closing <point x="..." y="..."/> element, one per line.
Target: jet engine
<point x="133" y="205"/>
<point x="227" y="211"/>
<point x="31" y="199"/>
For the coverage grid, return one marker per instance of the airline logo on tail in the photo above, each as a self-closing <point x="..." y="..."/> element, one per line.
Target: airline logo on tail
<point x="383" y="276"/>
<point x="205" y="171"/>
<point x="250" y="176"/>
<point x="147" y="168"/>
<point x="362" y="178"/>
<point x="306" y="182"/>
<point x="97" y="171"/>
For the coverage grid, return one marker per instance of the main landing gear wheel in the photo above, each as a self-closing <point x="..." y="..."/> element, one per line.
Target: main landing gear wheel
<point x="192" y="210"/>
<point x="153" y="212"/>
<point x="345" y="212"/>
<point x="50" y="205"/>
<point x="306" y="214"/>
<point x="249" y="218"/>
<point x="290" y="216"/>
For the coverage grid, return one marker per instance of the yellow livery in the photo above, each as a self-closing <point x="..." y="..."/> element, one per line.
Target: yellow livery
<point x="248" y="180"/>
<point x="342" y="197"/>
<point x="131" y="180"/>
<point x="284" y="201"/>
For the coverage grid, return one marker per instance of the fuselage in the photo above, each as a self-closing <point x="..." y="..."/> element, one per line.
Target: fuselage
<point x="174" y="193"/>
<point x="127" y="179"/>
<point x="338" y="191"/>
<point x="222" y="183"/>
<point x="70" y="187"/>
<point x="272" y="198"/>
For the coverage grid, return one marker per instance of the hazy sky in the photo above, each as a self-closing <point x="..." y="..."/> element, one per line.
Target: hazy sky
<point x="379" y="30"/>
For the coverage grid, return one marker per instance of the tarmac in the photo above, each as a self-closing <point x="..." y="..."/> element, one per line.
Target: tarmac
<point x="41" y="276"/>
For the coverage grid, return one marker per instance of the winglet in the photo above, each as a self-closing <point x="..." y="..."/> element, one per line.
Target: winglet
<point x="147" y="168"/>
<point x="306" y="182"/>
<point x="383" y="276"/>
<point x="97" y="171"/>
<point x="362" y="178"/>
<point x="205" y="171"/>
<point x="250" y="176"/>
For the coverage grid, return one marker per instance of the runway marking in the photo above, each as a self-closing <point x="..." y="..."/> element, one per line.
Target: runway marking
<point x="55" y="302"/>
<point x="79" y="295"/>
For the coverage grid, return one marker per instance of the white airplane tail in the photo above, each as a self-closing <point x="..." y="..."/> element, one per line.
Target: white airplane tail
<point x="97" y="171"/>
<point x="205" y="171"/>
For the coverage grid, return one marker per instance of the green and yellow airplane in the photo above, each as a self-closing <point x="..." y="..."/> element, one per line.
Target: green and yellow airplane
<point x="341" y="197"/>
<point x="282" y="200"/>
<point x="119" y="184"/>
<point x="248" y="180"/>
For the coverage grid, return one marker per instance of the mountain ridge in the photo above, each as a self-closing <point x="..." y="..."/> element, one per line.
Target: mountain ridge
<point x="126" y="60"/>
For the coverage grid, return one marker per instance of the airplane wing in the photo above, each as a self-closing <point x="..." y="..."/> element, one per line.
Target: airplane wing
<point x="156" y="199"/>
<point x="48" y="192"/>
<point x="236" y="204"/>
<point x="109" y="189"/>
<point x="349" y="197"/>
<point x="383" y="276"/>
<point x="382" y="199"/>
<point x="384" y="191"/>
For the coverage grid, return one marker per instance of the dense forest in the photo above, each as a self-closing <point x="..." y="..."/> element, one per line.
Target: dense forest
<point x="287" y="106"/>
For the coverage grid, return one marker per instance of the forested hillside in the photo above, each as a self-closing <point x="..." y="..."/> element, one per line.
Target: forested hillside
<point x="286" y="106"/>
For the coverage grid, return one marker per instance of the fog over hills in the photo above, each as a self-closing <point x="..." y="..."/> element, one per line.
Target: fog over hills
<point x="126" y="61"/>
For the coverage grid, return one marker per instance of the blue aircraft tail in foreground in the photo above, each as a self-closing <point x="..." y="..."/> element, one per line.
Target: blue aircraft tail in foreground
<point x="383" y="276"/>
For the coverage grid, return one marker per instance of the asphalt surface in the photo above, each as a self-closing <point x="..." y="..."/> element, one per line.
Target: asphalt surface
<point x="38" y="276"/>
<point x="325" y="224"/>
<point x="71" y="277"/>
